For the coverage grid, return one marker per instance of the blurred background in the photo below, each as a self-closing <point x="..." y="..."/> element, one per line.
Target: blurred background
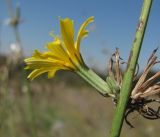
<point x="66" y="105"/>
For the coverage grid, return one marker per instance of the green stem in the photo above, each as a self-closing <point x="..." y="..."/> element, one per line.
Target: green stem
<point x="31" y="114"/>
<point x="7" y="106"/>
<point x="128" y="76"/>
<point x="97" y="82"/>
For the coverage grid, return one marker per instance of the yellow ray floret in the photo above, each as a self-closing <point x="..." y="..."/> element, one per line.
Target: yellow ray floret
<point x="63" y="53"/>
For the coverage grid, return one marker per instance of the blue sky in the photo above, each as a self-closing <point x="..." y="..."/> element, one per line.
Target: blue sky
<point x="114" y="26"/>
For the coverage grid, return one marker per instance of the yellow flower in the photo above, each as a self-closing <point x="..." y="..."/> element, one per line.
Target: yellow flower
<point x="63" y="53"/>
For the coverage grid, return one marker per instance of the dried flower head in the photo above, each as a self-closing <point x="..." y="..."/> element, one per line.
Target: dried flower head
<point x="143" y="91"/>
<point x="146" y="87"/>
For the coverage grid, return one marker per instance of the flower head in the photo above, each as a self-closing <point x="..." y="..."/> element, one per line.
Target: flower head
<point x="63" y="52"/>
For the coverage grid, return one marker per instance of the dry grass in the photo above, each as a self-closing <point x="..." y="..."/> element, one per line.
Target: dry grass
<point x="63" y="107"/>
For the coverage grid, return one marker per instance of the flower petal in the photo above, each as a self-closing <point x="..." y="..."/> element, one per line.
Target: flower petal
<point x="34" y="63"/>
<point x="52" y="72"/>
<point x="57" y="49"/>
<point x="67" y="31"/>
<point x="35" y="73"/>
<point x="82" y="32"/>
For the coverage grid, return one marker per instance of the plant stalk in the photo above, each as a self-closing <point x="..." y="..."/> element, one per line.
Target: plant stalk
<point x="128" y="76"/>
<point x="97" y="82"/>
<point x="31" y="114"/>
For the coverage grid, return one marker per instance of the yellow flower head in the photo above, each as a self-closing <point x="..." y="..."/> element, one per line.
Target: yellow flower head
<point x="63" y="53"/>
